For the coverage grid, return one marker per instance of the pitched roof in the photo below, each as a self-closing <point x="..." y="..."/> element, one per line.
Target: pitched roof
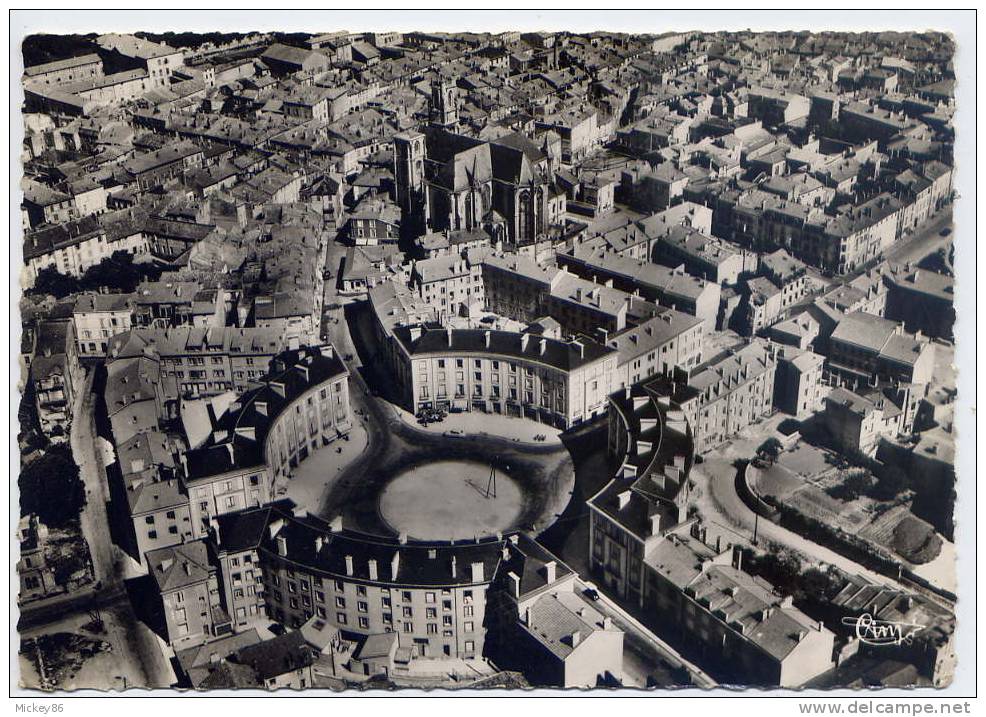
<point x="179" y="566"/>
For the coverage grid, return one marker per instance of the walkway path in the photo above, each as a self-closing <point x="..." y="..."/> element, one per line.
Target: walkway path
<point x="721" y="505"/>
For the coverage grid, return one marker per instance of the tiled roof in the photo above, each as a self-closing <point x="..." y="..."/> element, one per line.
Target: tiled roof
<point x="180" y="566"/>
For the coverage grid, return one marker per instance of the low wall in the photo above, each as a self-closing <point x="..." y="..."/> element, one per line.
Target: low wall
<point x="750" y="497"/>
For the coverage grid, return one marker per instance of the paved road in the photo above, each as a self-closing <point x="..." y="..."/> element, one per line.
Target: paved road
<point x="718" y="477"/>
<point x="94" y="520"/>
<point x="107" y="592"/>
<point x="926" y="240"/>
<point x="139" y="654"/>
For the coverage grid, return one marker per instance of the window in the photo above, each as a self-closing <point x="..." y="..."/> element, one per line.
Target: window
<point x="470" y="646"/>
<point x="431" y="613"/>
<point x="341" y="618"/>
<point x="362" y="606"/>
<point x="467" y="611"/>
<point x="406" y="595"/>
<point x="407" y="612"/>
<point x="361" y="590"/>
<point x="340" y="602"/>
<point x="364" y="623"/>
<point x="429" y="597"/>
<point x="432" y="628"/>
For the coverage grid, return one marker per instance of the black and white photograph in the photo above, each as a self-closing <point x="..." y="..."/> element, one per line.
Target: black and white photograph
<point x="358" y="360"/>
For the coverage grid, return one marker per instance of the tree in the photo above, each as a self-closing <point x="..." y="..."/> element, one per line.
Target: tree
<point x="892" y="482"/>
<point x="50" y="487"/>
<point x="770" y="449"/>
<point x="118" y="272"/>
<point x="855" y="484"/>
<point x="51" y="281"/>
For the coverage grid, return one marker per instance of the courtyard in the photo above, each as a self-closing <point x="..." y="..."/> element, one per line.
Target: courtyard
<point x="451" y="500"/>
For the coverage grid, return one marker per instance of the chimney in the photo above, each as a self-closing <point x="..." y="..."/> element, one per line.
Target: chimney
<point x="372" y="567"/>
<point x="448" y="334"/>
<point x="454" y="568"/>
<point x="524" y="338"/>
<point x="543" y="346"/>
<point x="550" y="571"/>
<point x="216" y="534"/>
<point x="514" y="583"/>
<point x="395" y="564"/>
<point x="655" y="523"/>
<point x="349" y="565"/>
<point x="607" y="623"/>
<point x="487" y="337"/>
<point x="185" y="567"/>
<point x="738" y="557"/>
<point x="282" y="545"/>
<point x="319" y="542"/>
<point x="576" y="638"/>
<point x="477" y="573"/>
<point x="528" y="617"/>
<point x="623" y="499"/>
<point x="335" y="526"/>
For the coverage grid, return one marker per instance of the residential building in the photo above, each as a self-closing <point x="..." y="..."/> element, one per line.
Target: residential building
<point x="865" y="350"/>
<point x="799" y="388"/>
<point x="562" y="383"/>
<point x="97" y="318"/>
<point x="55" y="377"/>
<point x="726" y="395"/>
<point x="187" y="589"/>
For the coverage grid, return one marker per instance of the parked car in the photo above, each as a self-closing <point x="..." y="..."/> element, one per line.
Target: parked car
<point x="946" y="231"/>
<point x="591" y="593"/>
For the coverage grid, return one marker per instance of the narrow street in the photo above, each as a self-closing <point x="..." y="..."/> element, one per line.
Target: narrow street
<point x="94" y="520"/>
<point x="646" y="657"/>
<point x="136" y="653"/>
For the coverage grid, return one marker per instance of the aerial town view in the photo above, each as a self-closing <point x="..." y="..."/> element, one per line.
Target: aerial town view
<point x="384" y="360"/>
